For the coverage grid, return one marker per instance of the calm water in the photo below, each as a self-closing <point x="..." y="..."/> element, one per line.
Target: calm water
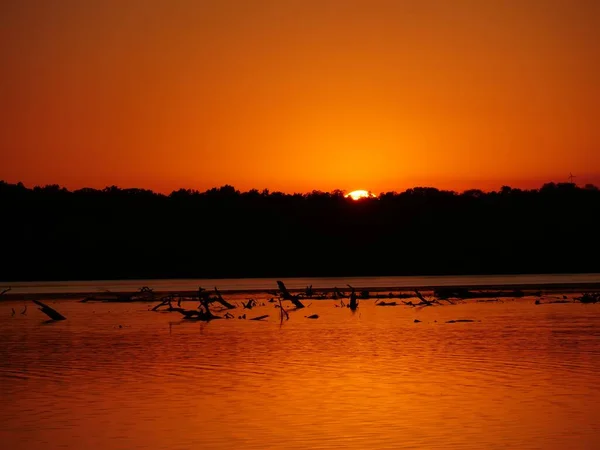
<point x="116" y="376"/>
<point x="246" y="284"/>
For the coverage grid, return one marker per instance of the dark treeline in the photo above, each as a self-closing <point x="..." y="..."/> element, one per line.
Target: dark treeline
<point x="50" y="233"/>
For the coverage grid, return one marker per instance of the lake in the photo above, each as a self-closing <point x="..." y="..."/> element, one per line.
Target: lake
<point x="117" y="376"/>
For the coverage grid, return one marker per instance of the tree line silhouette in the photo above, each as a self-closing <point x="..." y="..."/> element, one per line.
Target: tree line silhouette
<point x="51" y="233"/>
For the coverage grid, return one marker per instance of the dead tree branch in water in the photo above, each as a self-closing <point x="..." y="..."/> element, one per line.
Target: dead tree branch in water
<point x="285" y="294"/>
<point x="260" y="317"/>
<point x="589" y="297"/>
<point x="219" y="298"/>
<point x="282" y="312"/>
<point x="166" y="301"/>
<point x="384" y="303"/>
<point x="424" y="301"/>
<point x="50" y="312"/>
<point x="353" y="300"/>
<point x="251" y="303"/>
<point x="205" y="303"/>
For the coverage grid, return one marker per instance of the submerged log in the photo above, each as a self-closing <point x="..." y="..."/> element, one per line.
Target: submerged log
<point x="285" y="294"/>
<point x="50" y="312"/>
<point x="260" y="317"/>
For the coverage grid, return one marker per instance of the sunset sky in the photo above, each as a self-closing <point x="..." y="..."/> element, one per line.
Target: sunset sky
<point x="296" y="95"/>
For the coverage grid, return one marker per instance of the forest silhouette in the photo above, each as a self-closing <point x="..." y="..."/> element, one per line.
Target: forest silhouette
<point x="51" y="233"/>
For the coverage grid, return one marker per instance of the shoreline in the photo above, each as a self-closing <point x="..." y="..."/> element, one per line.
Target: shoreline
<point x="527" y="289"/>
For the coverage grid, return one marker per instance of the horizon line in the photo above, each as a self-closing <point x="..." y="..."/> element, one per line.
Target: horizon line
<point x="270" y="191"/>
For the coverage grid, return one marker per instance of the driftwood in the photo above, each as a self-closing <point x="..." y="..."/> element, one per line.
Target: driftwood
<point x="384" y="303"/>
<point x="50" y="312"/>
<point x="204" y="303"/>
<point x="192" y="314"/>
<point x="424" y="301"/>
<point x="589" y="297"/>
<point x="282" y="312"/>
<point x="285" y="294"/>
<point x="353" y="300"/>
<point x="202" y="313"/>
<point x="219" y="298"/>
<point x="260" y="317"/>
<point x="167" y="301"/>
<point x="251" y="303"/>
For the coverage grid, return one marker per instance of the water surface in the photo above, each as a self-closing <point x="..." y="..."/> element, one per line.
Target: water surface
<point x="116" y="376"/>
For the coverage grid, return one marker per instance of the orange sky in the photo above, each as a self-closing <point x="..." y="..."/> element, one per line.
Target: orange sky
<point x="296" y="95"/>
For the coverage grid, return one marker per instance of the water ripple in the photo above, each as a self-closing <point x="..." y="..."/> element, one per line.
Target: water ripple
<point x="119" y="376"/>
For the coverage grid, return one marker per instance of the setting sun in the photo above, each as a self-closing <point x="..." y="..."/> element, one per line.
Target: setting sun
<point x="358" y="194"/>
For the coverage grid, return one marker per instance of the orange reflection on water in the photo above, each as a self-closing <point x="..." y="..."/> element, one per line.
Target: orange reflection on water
<point x="118" y="376"/>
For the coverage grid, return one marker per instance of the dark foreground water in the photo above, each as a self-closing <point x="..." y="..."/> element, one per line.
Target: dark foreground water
<point x="117" y="376"/>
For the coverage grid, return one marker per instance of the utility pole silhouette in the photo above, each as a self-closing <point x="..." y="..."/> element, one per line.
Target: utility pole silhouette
<point x="571" y="176"/>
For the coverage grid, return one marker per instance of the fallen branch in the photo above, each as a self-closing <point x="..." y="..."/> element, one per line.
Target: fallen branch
<point x="50" y="312"/>
<point x="222" y="301"/>
<point x="260" y="317"/>
<point x="424" y="301"/>
<point x="353" y="301"/>
<point x="251" y="303"/>
<point x="282" y="313"/>
<point x="165" y="302"/>
<point x="287" y="296"/>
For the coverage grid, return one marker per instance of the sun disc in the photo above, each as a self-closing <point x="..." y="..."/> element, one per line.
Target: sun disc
<point x="358" y="194"/>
